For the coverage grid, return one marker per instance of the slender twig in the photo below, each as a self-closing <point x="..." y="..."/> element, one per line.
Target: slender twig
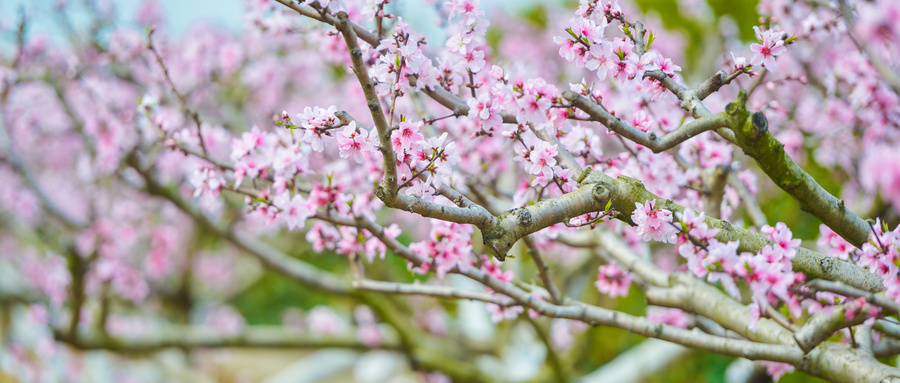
<point x="181" y="99"/>
<point x="421" y="171"/>
<point x="221" y="163"/>
<point x="543" y="270"/>
<point x="750" y="204"/>
<point x="849" y="291"/>
<point x="372" y="102"/>
<point x="780" y="319"/>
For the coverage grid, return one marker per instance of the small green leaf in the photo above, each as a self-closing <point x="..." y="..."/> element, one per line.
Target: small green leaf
<point x="608" y="204"/>
<point x="650" y="40"/>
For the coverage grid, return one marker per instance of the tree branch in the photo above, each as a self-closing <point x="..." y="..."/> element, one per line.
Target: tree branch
<point x="835" y="362"/>
<point x="13" y="159"/>
<point x="750" y="205"/>
<point x="517" y="223"/>
<point x="184" y="105"/>
<point x="271" y="257"/>
<point x="626" y="191"/>
<point x="839" y="288"/>
<point x="649" y="140"/>
<point x="204" y="337"/>
<point x="753" y="137"/>
<point x="442" y="292"/>
<point x="820" y="327"/>
<point x="543" y="270"/>
<point x="347" y="29"/>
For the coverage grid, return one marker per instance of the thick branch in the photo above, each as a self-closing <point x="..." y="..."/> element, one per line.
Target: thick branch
<point x="753" y="136"/>
<point x="888" y="327"/>
<point x="474" y="215"/>
<point x="642" y="326"/>
<point x="517" y="223"/>
<point x="835" y="362"/>
<point x="625" y="192"/>
<point x="692" y="295"/>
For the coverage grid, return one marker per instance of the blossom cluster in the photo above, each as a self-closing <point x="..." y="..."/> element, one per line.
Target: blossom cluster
<point x="880" y="255"/>
<point x="448" y="248"/>
<point x="616" y="57"/>
<point x="768" y="273"/>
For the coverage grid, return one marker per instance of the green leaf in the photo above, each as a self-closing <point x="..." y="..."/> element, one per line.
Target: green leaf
<point x="650" y="40"/>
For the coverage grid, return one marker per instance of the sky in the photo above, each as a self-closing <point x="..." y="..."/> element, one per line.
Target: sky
<point x="182" y="14"/>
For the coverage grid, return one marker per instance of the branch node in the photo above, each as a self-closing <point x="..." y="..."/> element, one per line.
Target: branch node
<point x="760" y="123"/>
<point x="601" y="193"/>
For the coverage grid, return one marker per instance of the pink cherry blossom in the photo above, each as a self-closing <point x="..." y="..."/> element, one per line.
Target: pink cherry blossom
<point x="542" y="158"/>
<point x="353" y="142"/>
<point x="294" y="212"/>
<point x="613" y="281"/>
<point x="771" y="46"/>
<point x="654" y="224"/>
